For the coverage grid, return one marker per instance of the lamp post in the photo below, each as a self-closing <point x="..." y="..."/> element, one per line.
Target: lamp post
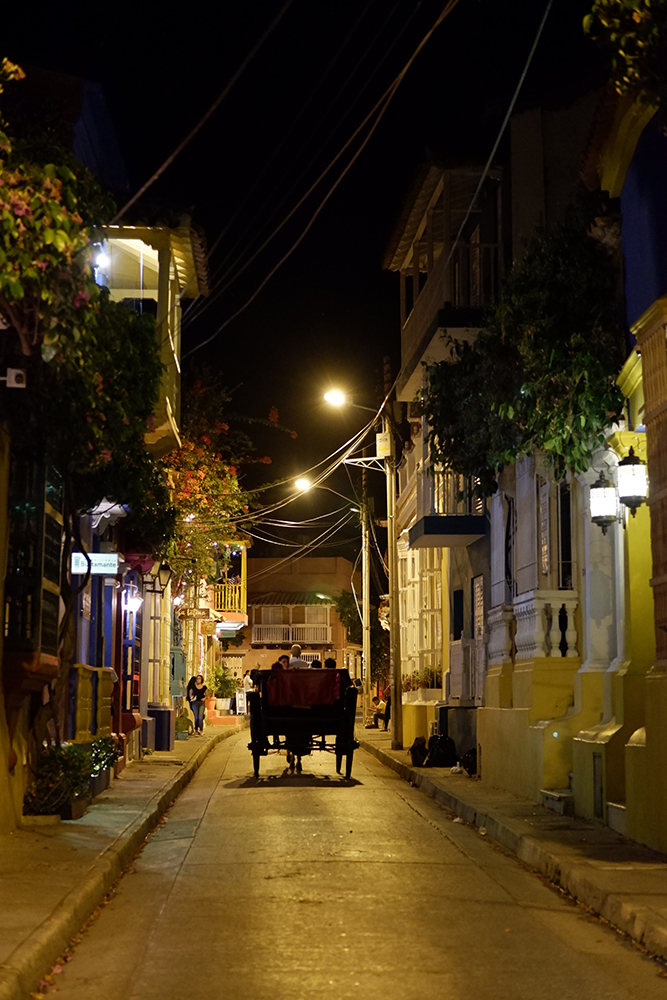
<point x="304" y="485"/>
<point x="385" y="453"/>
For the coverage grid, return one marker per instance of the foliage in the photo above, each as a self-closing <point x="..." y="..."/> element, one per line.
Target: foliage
<point x="63" y="774"/>
<point x="542" y="376"/>
<point x="422" y="679"/>
<point x="222" y="684"/>
<point x="347" y="611"/>
<point x="104" y="753"/>
<point x="184" y="723"/>
<point x="635" y="33"/>
<point x="93" y="366"/>
<point x="204" y="474"/>
<point x="47" y="287"/>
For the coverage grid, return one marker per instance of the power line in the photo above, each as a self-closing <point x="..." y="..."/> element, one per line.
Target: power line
<point x="216" y="104"/>
<point x="386" y="98"/>
<point x="200" y="305"/>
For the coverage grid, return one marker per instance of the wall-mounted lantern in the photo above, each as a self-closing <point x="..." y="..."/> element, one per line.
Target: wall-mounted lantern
<point x="603" y="503"/>
<point x="159" y="581"/>
<point x="632" y="482"/>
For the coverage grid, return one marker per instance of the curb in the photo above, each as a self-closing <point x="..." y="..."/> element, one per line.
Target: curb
<point x="50" y="939"/>
<point x="643" y="926"/>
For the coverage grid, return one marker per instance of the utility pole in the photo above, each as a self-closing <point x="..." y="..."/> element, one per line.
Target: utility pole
<point x="366" y="591"/>
<point x="392" y="552"/>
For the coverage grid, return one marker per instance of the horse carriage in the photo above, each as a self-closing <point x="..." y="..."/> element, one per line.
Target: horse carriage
<point x="300" y="711"/>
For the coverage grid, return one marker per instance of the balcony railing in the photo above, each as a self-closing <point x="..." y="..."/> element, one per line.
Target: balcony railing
<point x="231" y="597"/>
<point x="470" y="281"/>
<point x="447" y="493"/>
<point x="270" y="634"/>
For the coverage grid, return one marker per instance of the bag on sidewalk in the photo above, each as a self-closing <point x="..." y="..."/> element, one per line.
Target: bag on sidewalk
<point x="441" y="752"/>
<point x="469" y="762"/>
<point x="418" y="752"/>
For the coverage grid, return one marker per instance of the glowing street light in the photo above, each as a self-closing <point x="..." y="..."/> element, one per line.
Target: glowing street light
<point x="334" y="397"/>
<point x="302" y="484"/>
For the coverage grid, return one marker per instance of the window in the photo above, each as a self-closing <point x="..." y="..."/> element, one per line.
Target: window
<point x="543" y="525"/>
<point x="564" y="537"/>
<point x="457" y="614"/>
<point x="316" y="615"/>
<point x="477" y="607"/>
<point x="510" y="536"/>
<point x="272" y="615"/>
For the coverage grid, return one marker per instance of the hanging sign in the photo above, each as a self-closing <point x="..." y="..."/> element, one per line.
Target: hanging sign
<point x="100" y="562"/>
<point x="193" y="613"/>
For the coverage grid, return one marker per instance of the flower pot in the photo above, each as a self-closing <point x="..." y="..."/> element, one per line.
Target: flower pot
<point x="99" y="782"/>
<point x="76" y="808"/>
<point x="220" y="705"/>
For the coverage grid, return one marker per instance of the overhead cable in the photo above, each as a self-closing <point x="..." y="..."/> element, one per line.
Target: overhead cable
<point x="383" y="105"/>
<point x="202" y="121"/>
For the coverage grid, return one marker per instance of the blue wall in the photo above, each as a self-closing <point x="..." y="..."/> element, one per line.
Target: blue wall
<point x="644" y="210"/>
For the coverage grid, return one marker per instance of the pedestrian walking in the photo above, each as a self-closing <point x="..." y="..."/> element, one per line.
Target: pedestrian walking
<point x="196" y="692"/>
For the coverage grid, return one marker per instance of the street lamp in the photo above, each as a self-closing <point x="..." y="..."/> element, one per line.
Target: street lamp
<point x="385" y="453"/>
<point x="603" y="503"/>
<point x="632" y="482"/>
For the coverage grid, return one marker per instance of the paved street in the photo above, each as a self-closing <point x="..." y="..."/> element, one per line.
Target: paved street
<point x="306" y="887"/>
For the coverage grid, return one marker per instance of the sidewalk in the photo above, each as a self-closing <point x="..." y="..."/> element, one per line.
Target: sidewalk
<point x="620" y="880"/>
<point x="54" y="875"/>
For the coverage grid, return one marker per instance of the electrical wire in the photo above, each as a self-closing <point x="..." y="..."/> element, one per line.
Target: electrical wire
<point x="269" y="162"/>
<point x="202" y="121"/>
<point x="305" y="548"/>
<point x="200" y="305"/>
<point x="383" y="105"/>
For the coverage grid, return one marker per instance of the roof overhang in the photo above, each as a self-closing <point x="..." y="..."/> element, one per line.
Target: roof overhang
<point x="188" y="252"/>
<point x="447" y="531"/>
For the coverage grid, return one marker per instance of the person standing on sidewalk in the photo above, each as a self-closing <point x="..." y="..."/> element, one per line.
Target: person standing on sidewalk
<point x="196" y="694"/>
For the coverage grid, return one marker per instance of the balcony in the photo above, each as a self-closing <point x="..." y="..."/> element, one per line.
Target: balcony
<point x="449" y="515"/>
<point x="269" y="635"/>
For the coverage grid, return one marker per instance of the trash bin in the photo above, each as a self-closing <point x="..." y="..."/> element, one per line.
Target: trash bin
<point x="164" y="726"/>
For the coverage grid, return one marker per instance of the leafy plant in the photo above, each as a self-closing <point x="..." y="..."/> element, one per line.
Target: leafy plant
<point x="347" y="611"/>
<point x="104" y="753"/>
<point x="63" y="774"/>
<point x="635" y="33"/>
<point x="222" y="684"/>
<point x="542" y="376"/>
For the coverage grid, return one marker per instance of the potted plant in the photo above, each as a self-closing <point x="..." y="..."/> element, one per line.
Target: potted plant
<point x="104" y="753"/>
<point x="61" y="783"/>
<point x="223" y="686"/>
<point x="184" y="726"/>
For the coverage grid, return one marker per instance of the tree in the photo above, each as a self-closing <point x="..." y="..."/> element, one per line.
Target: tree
<point x="635" y="34"/>
<point x="541" y="377"/>
<point x="346" y="606"/>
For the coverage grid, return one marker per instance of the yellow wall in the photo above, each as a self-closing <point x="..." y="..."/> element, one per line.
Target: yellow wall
<point x="416" y="721"/>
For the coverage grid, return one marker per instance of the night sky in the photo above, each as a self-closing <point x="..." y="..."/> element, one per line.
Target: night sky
<point x="331" y="313"/>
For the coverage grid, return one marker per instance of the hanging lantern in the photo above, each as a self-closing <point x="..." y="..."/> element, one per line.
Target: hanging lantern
<point x="632" y="482"/>
<point x="603" y="503"/>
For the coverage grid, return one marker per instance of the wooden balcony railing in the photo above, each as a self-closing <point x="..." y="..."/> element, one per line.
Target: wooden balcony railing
<point x="291" y="633"/>
<point x="231" y="597"/>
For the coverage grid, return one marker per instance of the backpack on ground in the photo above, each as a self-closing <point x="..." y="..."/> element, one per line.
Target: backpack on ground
<point x="418" y="752"/>
<point x="441" y="752"/>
